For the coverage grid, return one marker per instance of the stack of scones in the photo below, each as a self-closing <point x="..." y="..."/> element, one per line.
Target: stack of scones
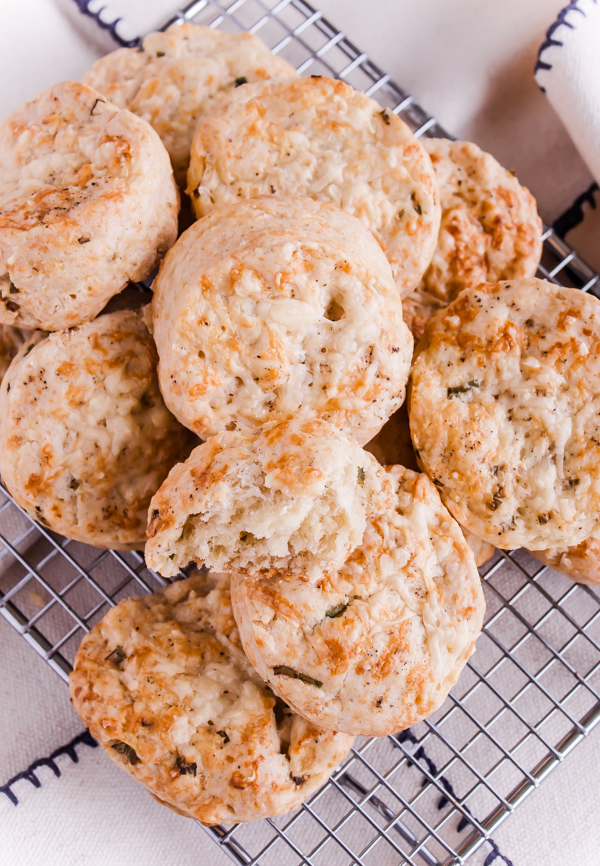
<point x="252" y="424"/>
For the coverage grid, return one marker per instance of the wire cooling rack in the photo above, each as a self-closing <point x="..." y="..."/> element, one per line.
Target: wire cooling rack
<point x="430" y="795"/>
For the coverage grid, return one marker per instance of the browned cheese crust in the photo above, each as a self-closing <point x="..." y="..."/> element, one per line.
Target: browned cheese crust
<point x="85" y="438"/>
<point x="490" y="229"/>
<point x="87" y="203"/>
<point x="164" y="686"/>
<point x="505" y="412"/>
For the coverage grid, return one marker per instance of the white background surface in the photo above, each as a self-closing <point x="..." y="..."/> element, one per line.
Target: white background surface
<point x="471" y="63"/>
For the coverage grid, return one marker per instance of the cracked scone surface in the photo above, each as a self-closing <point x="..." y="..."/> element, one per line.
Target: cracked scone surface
<point x="321" y="138"/>
<point x="490" y="229"/>
<point x="297" y="495"/>
<point x="277" y="308"/>
<point x="85" y="437"/>
<point x="87" y="203"/>
<point x="580" y="562"/>
<point x="376" y="646"/>
<point x="164" y="679"/>
<point x="177" y="76"/>
<point x="505" y="412"/>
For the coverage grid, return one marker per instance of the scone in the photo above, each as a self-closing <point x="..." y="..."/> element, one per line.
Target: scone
<point x="278" y="308"/>
<point x="376" y="646"/>
<point x="87" y="203"/>
<point x="490" y="229"/>
<point x="580" y="562"/>
<point x="321" y="138"/>
<point x="296" y="496"/>
<point x="175" y="77"/>
<point x="163" y="685"/>
<point x="85" y="438"/>
<point x="393" y="445"/>
<point x="505" y="412"/>
<point x="11" y="340"/>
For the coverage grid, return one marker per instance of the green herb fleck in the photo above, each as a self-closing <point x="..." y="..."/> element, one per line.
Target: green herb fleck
<point x="336" y="611"/>
<point x="117" y="657"/>
<point x="544" y="518"/>
<point x="361" y="476"/>
<point x="285" y="671"/>
<point x="185" y="768"/>
<point x="172" y="557"/>
<point x="417" y="207"/>
<point x="39" y="516"/>
<point x="244" y="536"/>
<point x="239" y="81"/>
<point x="128" y="752"/>
<point x="385" y="116"/>
<point x="28" y="350"/>
<point x="13" y="290"/>
<point x="462" y="389"/>
<point x="162" y="54"/>
<point x="497" y="499"/>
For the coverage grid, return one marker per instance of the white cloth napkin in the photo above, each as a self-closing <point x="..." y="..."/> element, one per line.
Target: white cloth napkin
<point x="568" y="70"/>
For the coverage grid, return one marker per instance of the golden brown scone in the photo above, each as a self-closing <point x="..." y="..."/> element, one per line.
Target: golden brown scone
<point x="11" y="340"/>
<point x="376" y="646"/>
<point x="296" y="496"/>
<point x="505" y="412"/>
<point x="580" y="562"/>
<point x="393" y="445"/>
<point x="175" y="77"/>
<point x="87" y="203"/>
<point x="276" y="308"/>
<point x="321" y="138"/>
<point x="163" y="684"/>
<point x="85" y="438"/>
<point x="490" y="229"/>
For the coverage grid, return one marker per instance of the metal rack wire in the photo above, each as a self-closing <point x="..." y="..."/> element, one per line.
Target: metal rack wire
<point x="430" y="795"/>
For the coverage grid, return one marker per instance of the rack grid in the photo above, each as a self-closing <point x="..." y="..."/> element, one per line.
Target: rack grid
<point x="430" y="795"/>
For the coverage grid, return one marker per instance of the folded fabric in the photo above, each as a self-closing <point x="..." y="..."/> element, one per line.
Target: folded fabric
<point x="568" y="71"/>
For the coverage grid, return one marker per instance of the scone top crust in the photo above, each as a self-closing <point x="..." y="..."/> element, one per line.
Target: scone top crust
<point x="321" y="138"/>
<point x="277" y="308"/>
<point x="505" y="412"/>
<point x="490" y="229"/>
<point x="85" y="437"/>
<point x="87" y="202"/>
<point x="375" y="647"/>
<point x="296" y="496"/>
<point x="176" y="76"/>
<point x="164" y="685"/>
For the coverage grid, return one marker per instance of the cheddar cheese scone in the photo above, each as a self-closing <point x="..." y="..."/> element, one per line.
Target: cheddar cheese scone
<point x="276" y="308"/>
<point x="85" y="437"/>
<point x="376" y="646"/>
<point x="505" y="412"/>
<point x="490" y="229"/>
<point x="87" y="203"/>
<point x="296" y="496"/>
<point x="321" y="138"/>
<point x="164" y="686"/>
<point x="175" y="77"/>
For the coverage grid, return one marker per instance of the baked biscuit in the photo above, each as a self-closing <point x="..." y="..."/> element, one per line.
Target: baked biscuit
<point x="580" y="562"/>
<point x="175" y="77"/>
<point x="87" y="203"/>
<point x="376" y="646"/>
<point x="504" y="412"/>
<point x="163" y="685"/>
<point x="278" y="308"/>
<point x="393" y="445"/>
<point x="490" y="229"/>
<point x="85" y="438"/>
<point x="11" y="340"/>
<point x="296" y="496"/>
<point x="321" y="138"/>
